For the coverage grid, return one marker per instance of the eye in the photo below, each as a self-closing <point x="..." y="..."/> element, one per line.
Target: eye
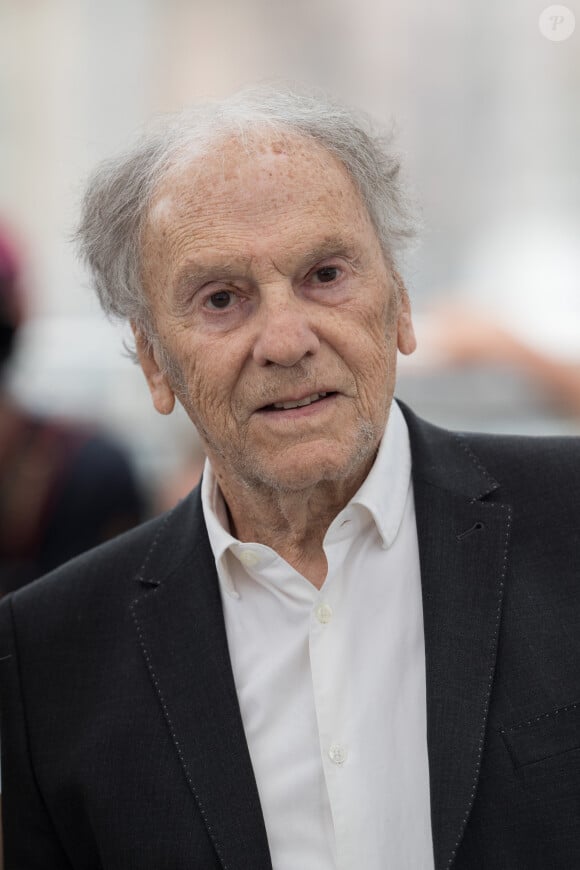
<point x="220" y="300"/>
<point x="326" y="274"/>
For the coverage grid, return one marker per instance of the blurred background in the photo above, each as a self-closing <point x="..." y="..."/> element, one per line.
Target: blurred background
<point x="487" y="112"/>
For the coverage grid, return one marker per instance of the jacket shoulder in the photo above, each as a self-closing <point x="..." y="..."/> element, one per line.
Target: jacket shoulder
<point x="495" y="466"/>
<point x="95" y="583"/>
<point x="540" y="463"/>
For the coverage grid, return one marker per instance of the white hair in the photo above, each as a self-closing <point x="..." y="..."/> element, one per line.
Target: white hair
<point x="119" y="193"/>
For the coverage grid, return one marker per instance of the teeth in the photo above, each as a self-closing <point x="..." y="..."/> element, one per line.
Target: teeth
<point x="307" y="401"/>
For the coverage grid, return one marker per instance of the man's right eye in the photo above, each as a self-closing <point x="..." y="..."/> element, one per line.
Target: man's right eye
<point x="220" y="300"/>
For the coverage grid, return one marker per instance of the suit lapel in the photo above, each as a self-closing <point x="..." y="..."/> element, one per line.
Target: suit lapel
<point x="463" y="541"/>
<point x="181" y="630"/>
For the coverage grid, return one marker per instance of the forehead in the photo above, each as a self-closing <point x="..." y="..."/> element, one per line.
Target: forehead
<point x="264" y="176"/>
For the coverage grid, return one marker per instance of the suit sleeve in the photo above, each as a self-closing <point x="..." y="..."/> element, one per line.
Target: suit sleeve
<point x="30" y="840"/>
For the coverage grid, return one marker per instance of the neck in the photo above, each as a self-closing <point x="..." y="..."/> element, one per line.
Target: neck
<point x="291" y="522"/>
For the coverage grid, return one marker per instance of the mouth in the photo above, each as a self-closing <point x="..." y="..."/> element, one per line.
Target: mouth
<point x="317" y="399"/>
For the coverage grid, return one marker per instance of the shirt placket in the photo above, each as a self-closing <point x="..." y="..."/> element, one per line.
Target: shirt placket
<point x="326" y="654"/>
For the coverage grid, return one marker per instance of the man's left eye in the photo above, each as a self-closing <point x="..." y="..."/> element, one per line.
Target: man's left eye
<point x="326" y="274"/>
<point x="220" y="300"/>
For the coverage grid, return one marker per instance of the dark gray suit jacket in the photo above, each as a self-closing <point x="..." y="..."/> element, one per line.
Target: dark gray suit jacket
<point x="123" y="745"/>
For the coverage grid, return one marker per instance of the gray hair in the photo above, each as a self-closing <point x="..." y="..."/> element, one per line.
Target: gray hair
<point x="120" y="192"/>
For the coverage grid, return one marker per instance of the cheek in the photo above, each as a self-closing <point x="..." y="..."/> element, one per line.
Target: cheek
<point x="205" y="388"/>
<point x="207" y="383"/>
<point x="376" y="334"/>
<point x="372" y="354"/>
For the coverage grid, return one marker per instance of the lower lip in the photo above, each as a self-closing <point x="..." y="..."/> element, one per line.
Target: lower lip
<point x="300" y="413"/>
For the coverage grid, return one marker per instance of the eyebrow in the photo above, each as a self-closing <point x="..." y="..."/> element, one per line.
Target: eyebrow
<point x="334" y="245"/>
<point x="195" y="272"/>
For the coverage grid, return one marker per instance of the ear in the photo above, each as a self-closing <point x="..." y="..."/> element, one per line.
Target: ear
<point x="161" y="392"/>
<point x="406" y="341"/>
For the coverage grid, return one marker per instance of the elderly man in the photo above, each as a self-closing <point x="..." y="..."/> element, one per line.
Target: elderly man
<point x="355" y="645"/>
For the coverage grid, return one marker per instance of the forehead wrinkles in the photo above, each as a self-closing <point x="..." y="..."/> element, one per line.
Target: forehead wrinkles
<point x="264" y="171"/>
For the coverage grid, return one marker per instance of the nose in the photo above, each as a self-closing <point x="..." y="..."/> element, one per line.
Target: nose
<point x="285" y="332"/>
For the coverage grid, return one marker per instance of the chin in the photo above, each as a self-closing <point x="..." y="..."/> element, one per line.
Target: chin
<point x="304" y="472"/>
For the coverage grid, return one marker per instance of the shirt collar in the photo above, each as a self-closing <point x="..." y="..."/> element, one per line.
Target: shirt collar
<point x="218" y="525"/>
<point x="383" y="493"/>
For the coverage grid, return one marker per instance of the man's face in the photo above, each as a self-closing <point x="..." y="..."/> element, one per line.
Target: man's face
<point x="268" y="287"/>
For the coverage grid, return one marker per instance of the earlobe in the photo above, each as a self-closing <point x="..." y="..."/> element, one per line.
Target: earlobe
<point x="161" y="392"/>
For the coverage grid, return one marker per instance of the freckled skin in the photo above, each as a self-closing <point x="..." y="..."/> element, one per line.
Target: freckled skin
<point x="238" y="251"/>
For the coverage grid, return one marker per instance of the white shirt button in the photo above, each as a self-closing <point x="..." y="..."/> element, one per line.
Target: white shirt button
<point x="323" y="613"/>
<point x="337" y="753"/>
<point x="249" y="558"/>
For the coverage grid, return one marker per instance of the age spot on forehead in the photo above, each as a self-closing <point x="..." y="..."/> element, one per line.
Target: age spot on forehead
<point x="262" y="142"/>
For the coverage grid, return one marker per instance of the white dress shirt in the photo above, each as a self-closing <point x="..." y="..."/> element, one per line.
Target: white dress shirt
<point x="331" y="683"/>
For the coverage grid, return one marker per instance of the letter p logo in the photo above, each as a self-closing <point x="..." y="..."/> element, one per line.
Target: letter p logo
<point x="557" y="23"/>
